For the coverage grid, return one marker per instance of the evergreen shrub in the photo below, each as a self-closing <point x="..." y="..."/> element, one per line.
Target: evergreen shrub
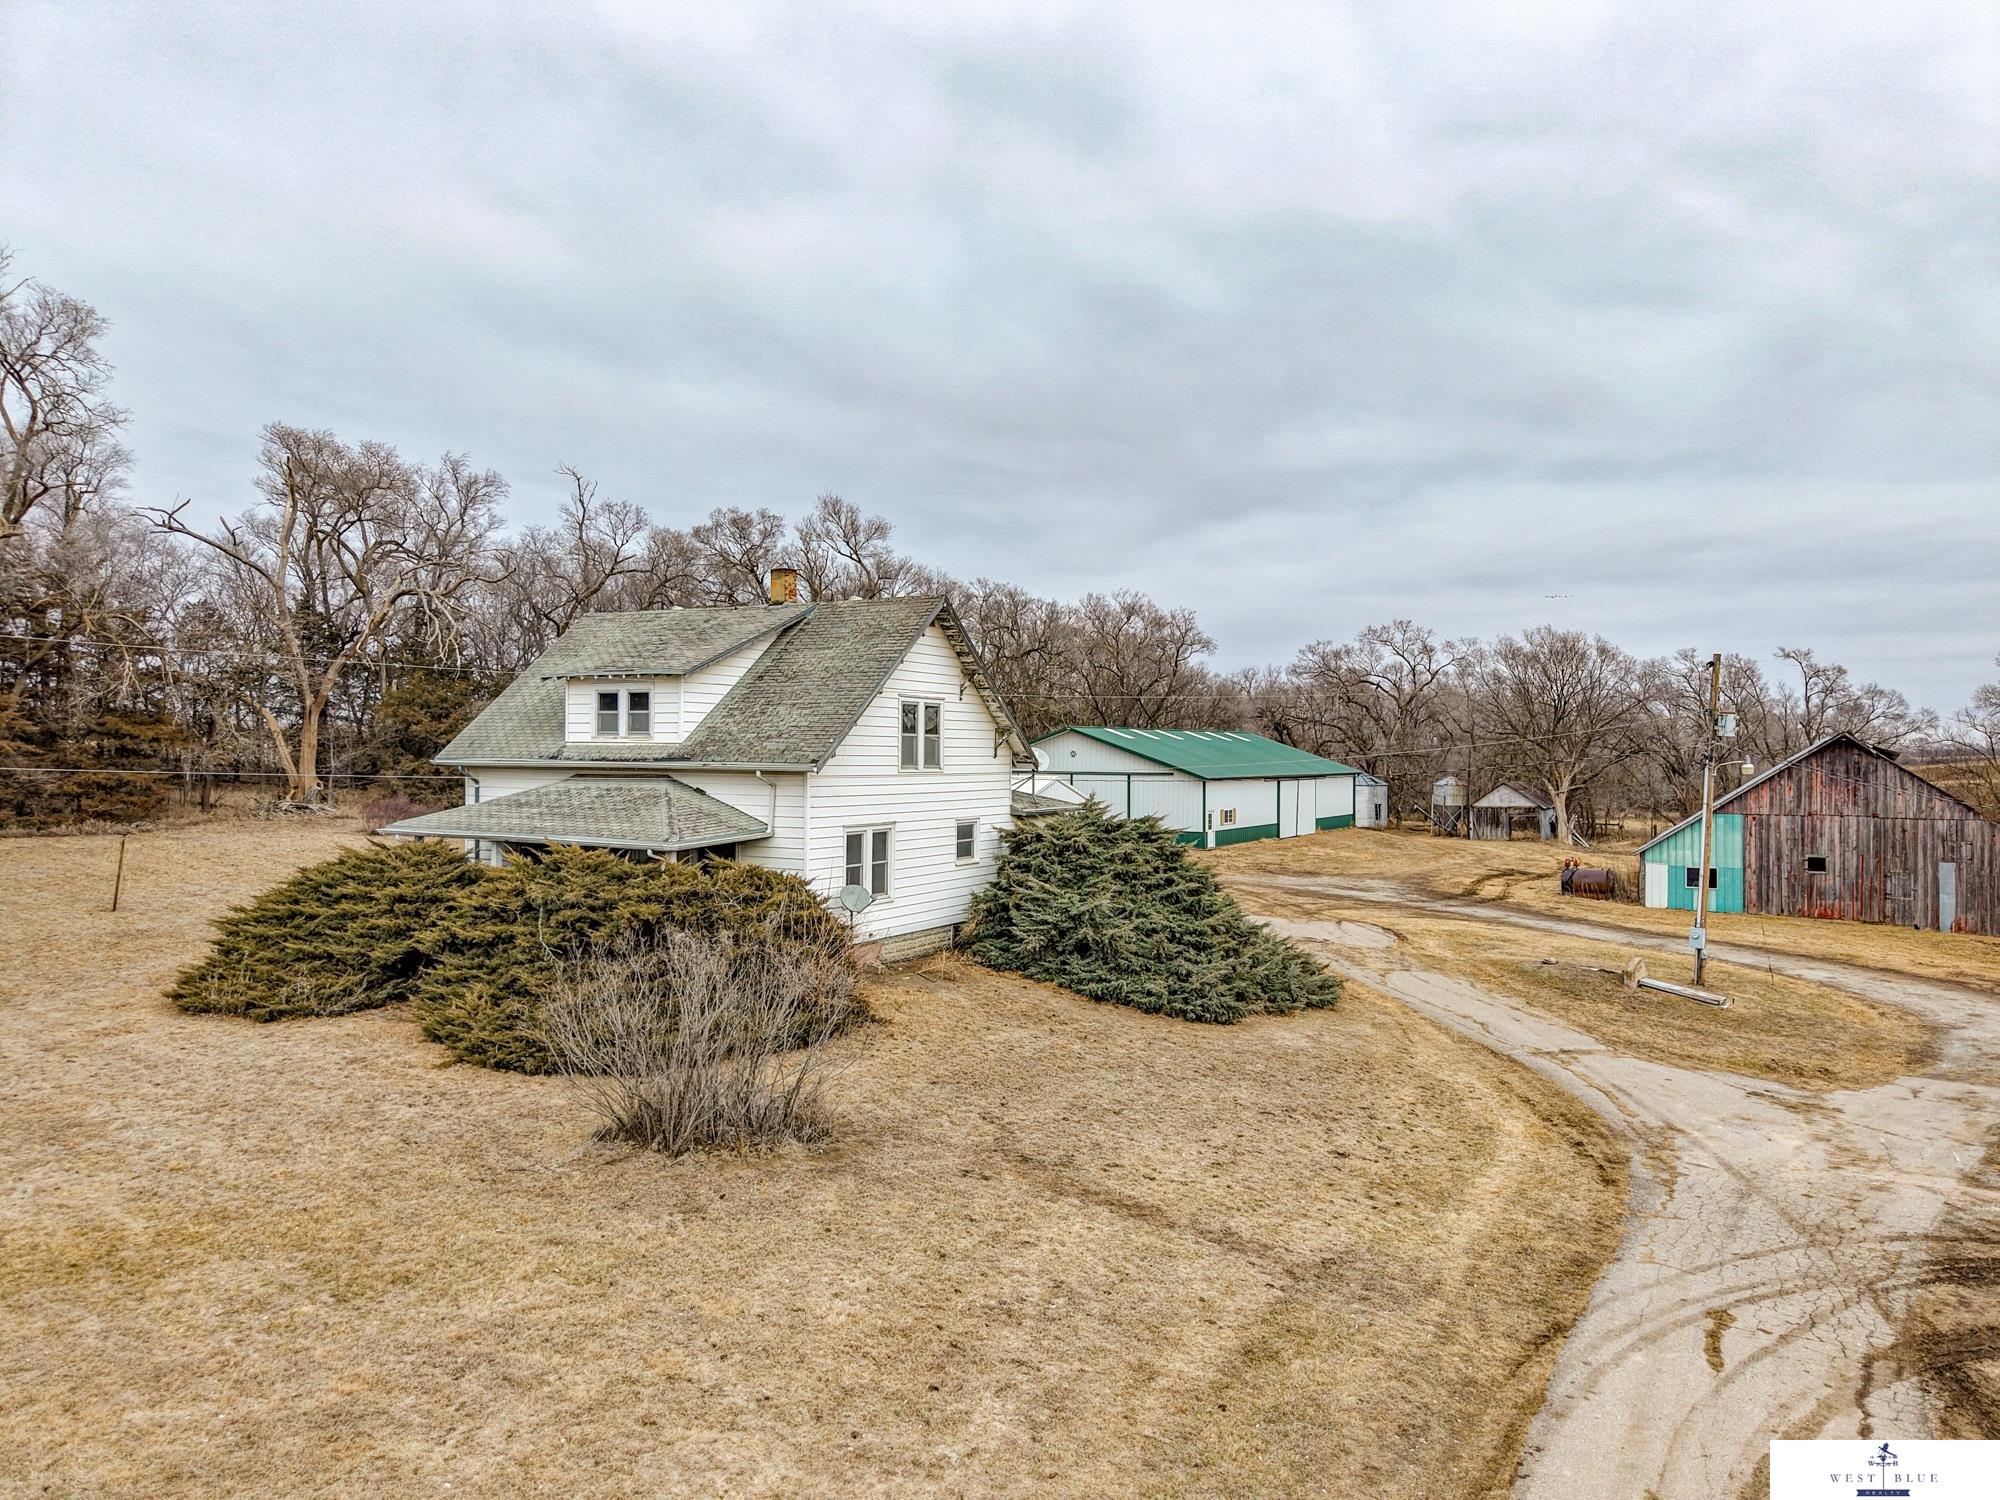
<point x="479" y="949"/>
<point x="338" y="936"/>
<point x="1116" y="910"/>
<point x="495" y="951"/>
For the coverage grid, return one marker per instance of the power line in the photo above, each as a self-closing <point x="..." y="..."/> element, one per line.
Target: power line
<point x="165" y="648"/>
<point x="231" y="775"/>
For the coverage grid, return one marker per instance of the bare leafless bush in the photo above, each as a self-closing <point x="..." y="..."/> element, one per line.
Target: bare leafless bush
<point x="700" y="1041"/>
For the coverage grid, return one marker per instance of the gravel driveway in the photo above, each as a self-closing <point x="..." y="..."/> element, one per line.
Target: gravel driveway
<point x="1776" y="1236"/>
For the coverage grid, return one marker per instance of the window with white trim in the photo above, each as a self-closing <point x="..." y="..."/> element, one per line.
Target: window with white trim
<point x="966" y="842"/>
<point x="624" y="714"/>
<point x="920" y="735"/>
<point x="868" y="859"/>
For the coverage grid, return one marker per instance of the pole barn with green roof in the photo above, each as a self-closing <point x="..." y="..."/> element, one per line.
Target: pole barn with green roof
<point x="1212" y="786"/>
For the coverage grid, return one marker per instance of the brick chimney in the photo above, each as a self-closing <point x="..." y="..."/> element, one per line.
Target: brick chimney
<point x="784" y="585"/>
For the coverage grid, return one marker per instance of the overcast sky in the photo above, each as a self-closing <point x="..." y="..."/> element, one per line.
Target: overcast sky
<point x="1674" y="321"/>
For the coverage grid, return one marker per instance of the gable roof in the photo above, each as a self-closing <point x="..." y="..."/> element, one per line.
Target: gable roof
<point x="1213" y="754"/>
<point x="789" y="712"/>
<point x="1836" y="738"/>
<point x="652" y="812"/>
<point x="660" y="642"/>
<point x="1528" y="795"/>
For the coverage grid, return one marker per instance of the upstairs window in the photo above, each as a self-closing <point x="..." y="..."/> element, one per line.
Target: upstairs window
<point x="920" y="742"/>
<point x="624" y="715"/>
<point x="868" y="859"/>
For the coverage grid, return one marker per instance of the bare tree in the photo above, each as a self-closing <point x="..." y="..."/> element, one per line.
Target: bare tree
<point x="347" y="539"/>
<point x="1381" y="701"/>
<point x="1831" y="702"/>
<point x="58" y="432"/>
<point x="1562" y="708"/>
<point x="736" y="550"/>
<point x="1973" y="738"/>
<point x="842" y="554"/>
<point x="549" y="576"/>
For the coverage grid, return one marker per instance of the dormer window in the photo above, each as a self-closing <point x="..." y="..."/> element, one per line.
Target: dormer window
<point x="624" y="714"/>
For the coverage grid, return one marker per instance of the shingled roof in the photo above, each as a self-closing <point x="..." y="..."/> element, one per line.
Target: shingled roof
<point x="791" y="710"/>
<point x="652" y="812"/>
<point x="660" y="642"/>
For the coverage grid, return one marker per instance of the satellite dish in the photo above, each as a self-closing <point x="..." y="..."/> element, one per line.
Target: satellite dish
<point x="856" y="897"/>
<point x="1041" y="759"/>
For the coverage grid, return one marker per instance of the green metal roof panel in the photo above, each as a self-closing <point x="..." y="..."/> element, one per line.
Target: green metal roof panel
<point x="653" y="812"/>
<point x="1213" y="754"/>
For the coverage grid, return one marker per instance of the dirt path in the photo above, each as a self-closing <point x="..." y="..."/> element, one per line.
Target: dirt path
<point x="1776" y="1237"/>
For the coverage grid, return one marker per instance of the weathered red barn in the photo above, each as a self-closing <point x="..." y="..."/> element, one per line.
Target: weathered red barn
<point x="1840" y="830"/>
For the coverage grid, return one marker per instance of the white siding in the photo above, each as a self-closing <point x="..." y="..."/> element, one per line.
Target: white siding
<point x="502" y="781"/>
<point x="580" y="704"/>
<point x="863" y="787"/>
<point x="1176" y="800"/>
<point x="1255" y="802"/>
<point x="1072" y="752"/>
<point x="1335" y="797"/>
<point x="701" y="691"/>
<point x="779" y="800"/>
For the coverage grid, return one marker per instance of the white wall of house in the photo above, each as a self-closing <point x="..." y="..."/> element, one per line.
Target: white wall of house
<point x="580" y="704"/>
<point x="701" y="691"/>
<point x="778" y="800"/>
<point x="863" y="787"/>
<point x="487" y="782"/>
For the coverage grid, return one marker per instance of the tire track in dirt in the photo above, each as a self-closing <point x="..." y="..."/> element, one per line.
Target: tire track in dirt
<point x="1764" y="1283"/>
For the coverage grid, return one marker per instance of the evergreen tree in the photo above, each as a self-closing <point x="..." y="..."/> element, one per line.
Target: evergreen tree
<point x="1117" y="911"/>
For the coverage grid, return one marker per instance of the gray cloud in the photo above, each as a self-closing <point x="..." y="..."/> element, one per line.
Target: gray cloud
<point x="1305" y="317"/>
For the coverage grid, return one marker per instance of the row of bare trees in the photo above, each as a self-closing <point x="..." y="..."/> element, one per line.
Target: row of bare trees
<point x="360" y="606"/>
<point x="1570" y="715"/>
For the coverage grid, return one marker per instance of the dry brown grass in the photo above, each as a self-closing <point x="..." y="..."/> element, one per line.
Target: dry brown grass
<point x="1524" y="875"/>
<point x="1055" y="1246"/>
<point x="1787" y="1030"/>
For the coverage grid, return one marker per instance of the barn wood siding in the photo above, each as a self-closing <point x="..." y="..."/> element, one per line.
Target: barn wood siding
<point x="1883" y="830"/>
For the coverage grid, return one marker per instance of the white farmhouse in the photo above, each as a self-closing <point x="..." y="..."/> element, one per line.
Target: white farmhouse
<point x="1212" y="786"/>
<point x="850" y="743"/>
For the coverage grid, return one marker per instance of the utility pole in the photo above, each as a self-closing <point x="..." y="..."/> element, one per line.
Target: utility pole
<point x="1698" y="934"/>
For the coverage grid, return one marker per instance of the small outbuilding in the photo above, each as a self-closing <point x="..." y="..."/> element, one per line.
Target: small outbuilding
<point x="1839" y="831"/>
<point x="1371" y="801"/>
<point x="1213" y="786"/>
<point x="1509" y="809"/>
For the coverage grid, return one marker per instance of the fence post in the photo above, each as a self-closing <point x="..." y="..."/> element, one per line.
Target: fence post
<point x="118" y="880"/>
